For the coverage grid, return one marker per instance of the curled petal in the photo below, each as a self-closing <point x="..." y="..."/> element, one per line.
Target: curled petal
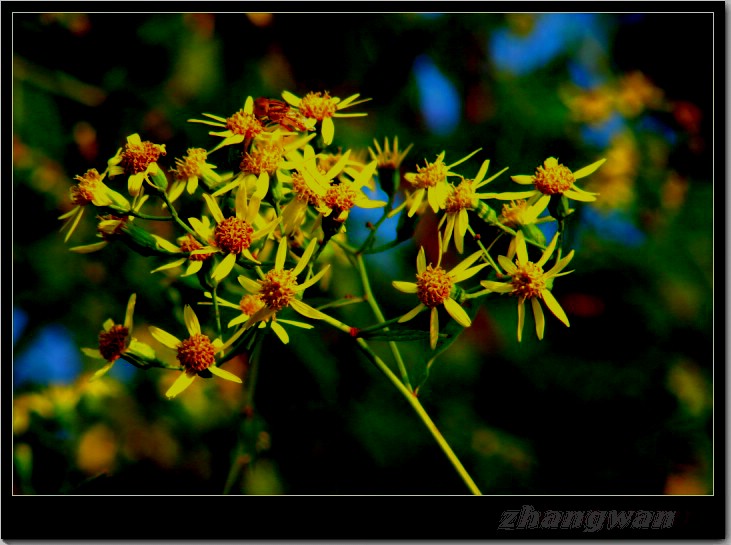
<point x="538" y="315"/>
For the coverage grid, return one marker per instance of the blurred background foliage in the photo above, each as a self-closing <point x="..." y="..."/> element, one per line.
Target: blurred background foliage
<point x="619" y="403"/>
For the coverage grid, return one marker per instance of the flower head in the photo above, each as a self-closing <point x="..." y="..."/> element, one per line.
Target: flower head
<point x="550" y="179"/>
<point x="239" y="127"/>
<point x="434" y="286"/>
<point x="189" y="245"/>
<point x="195" y="354"/>
<point x="137" y="160"/>
<point x="279" y="288"/>
<point x="90" y="189"/>
<point x="528" y="281"/>
<point x="322" y="107"/>
<point x="431" y="181"/>
<point x="460" y="199"/>
<point x="192" y="167"/>
<point x="388" y="157"/>
<point x="116" y="341"/>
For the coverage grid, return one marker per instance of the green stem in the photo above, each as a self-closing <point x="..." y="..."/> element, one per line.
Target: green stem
<point x="421" y="412"/>
<point x="371" y="299"/>
<point x="216" y="311"/>
<point x="177" y="219"/>
<point x="485" y="252"/>
<point x="148" y="217"/>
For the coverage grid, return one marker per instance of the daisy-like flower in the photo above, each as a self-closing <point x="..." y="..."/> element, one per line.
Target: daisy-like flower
<point x="340" y="197"/>
<point x="322" y="107"/>
<point x="388" y="157"/>
<point x="187" y="244"/>
<point x="431" y="181"/>
<point x="138" y="160"/>
<point x="252" y="303"/>
<point x="190" y="169"/>
<point x="278" y="288"/>
<point x="530" y="282"/>
<point x="109" y="226"/>
<point x="434" y="287"/>
<point x="90" y="189"/>
<point x="550" y="179"/>
<point x="233" y="235"/>
<point x="195" y="354"/>
<point x="241" y="126"/>
<point x="116" y="340"/>
<point x="460" y="199"/>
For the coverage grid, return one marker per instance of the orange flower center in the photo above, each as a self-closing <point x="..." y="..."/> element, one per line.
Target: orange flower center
<point x="191" y="164"/>
<point x="250" y="304"/>
<point x="340" y="196"/>
<point x="189" y="244"/>
<point x="318" y="106"/>
<point x="244" y="124"/>
<point x="433" y="286"/>
<point x="512" y="214"/>
<point x="83" y="193"/>
<point x="137" y="157"/>
<point x="553" y="180"/>
<point x="528" y="281"/>
<point x="113" y="343"/>
<point x="196" y="353"/>
<point x="233" y="235"/>
<point x="278" y="288"/>
<point x="303" y="191"/>
<point x="461" y="198"/>
<point x="264" y="158"/>
<point x="430" y="175"/>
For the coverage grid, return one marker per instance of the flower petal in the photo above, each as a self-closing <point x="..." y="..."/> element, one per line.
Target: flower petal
<point x="130" y="311"/>
<point x="305" y="259"/>
<point x="583" y="196"/>
<point x="222" y="270"/>
<point x="506" y="264"/>
<point x="513" y="195"/>
<point x="280" y="332"/>
<point x="191" y="321"/>
<point x="164" y="337"/>
<point x="412" y="313"/>
<point x="433" y="328"/>
<point x="406" y="287"/>
<point x="421" y="261"/>
<point x="103" y="371"/>
<point x="328" y="130"/>
<point x="291" y="98"/>
<point x="521" y="317"/>
<point x="281" y="254"/>
<point x="457" y="312"/>
<point x="582" y="172"/>
<point x="314" y="279"/>
<point x="222" y="373"/>
<point x="538" y="315"/>
<point x="93" y="353"/>
<point x="554" y="307"/>
<point x="213" y="207"/>
<point x="306" y="310"/>
<point x="523" y="179"/>
<point x="252" y="286"/>
<point x="521" y="249"/>
<point x="497" y="287"/>
<point x="180" y="384"/>
<point x="548" y="251"/>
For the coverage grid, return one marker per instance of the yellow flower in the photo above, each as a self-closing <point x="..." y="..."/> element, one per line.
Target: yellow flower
<point x="529" y="281"/>
<point x="431" y="180"/>
<point x="552" y="178"/>
<point x="241" y="126"/>
<point x="322" y="107"/>
<point x="90" y="189"/>
<point x="195" y="354"/>
<point x="192" y="167"/>
<point x="115" y="340"/>
<point x="278" y="288"/>
<point x="249" y="305"/>
<point x="389" y="158"/>
<point x="434" y="287"/>
<point x="460" y="199"/>
<point x="108" y="227"/>
<point x="234" y="235"/>
<point x="138" y="160"/>
<point x="187" y="244"/>
<point x="340" y="197"/>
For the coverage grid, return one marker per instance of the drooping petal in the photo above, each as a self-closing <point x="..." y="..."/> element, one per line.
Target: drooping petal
<point x="222" y="373"/>
<point x="497" y="287"/>
<point x="406" y="287"/>
<point x="89" y="248"/>
<point x="103" y="371"/>
<point x="240" y="319"/>
<point x="191" y="321"/>
<point x="252" y="286"/>
<point x="295" y="323"/>
<point x="513" y="195"/>
<point x="306" y="310"/>
<point x="281" y="254"/>
<point x="164" y="337"/>
<point x="421" y="261"/>
<point x="222" y="270"/>
<point x="554" y="307"/>
<point x="180" y="384"/>
<point x="328" y="130"/>
<point x="417" y="198"/>
<point x="457" y="312"/>
<point x="412" y="313"/>
<point x="166" y="245"/>
<point x="200" y="228"/>
<point x="280" y="332"/>
<point x="130" y="311"/>
<point x="93" y="353"/>
<point x="538" y="316"/>
<point x="582" y="172"/>
<point x="305" y="259"/>
<point x="193" y="268"/>
<point x="433" y="328"/>
<point x="520" y="248"/>
<point x="213" y="207"/>
<point x="448" y="230"/>
<point x="523" y="179"/>
<point x="521" y="317"/>
<point x="583" y="196"/>
<point x="460" y="227"/>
